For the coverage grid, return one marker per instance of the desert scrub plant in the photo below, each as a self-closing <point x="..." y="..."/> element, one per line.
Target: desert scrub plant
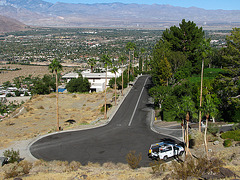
<point x="158" y="167"/>
<point x="227" y="143"/>
<point x="133" y="160"/>
<point x="74" y="165"/>
<point x="195" y="168"/>
<point x="41" y="107"/>
<point x="74" y="96"/>
<point x="17" y="169"/>
<point x="13" y="156"/>
<point x="235" y="135"/>
<point x="213" y="129"/>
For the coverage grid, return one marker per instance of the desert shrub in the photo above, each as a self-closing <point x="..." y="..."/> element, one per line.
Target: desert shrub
<point x="108" y="107"/>
<point x="91" y="164"/>
<point x="12" y="155"/>
<point x="213" y="129"/>
<point x="197" y="137"/>
<point x="74" y="165"/>
<point x="40" y="107"/>
<point x="29" y="109"/>
<point x="158" y="167"/>
<point x="227" y="143"/>
<point x="109" y="165"/>
<point x="192" y="167"/>
<point x="26" y="166"/>
<point x="235" y="135"/>
<point x="74" y="96"/>
<point x="17" y="169"/>
<point x="12" y="170"/>
<point x="133" y="160"/>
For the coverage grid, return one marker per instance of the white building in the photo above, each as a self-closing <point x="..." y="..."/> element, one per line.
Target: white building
<point x="97" y="80"/>
<point x="70" y="76"/>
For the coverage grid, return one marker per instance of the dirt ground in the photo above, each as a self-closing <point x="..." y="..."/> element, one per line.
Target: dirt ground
<point x="38" y="116"/>
<point x="27" y="70"/>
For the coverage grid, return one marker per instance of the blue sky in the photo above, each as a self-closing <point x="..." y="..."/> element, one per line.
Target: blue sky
<point x="206" y="4"/>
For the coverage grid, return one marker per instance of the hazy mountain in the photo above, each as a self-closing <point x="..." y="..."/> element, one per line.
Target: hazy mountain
<point x="9" y="25"/>
<point x="41" y="13"/>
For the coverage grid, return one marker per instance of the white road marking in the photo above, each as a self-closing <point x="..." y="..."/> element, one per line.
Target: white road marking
<point x="130" y="122"/>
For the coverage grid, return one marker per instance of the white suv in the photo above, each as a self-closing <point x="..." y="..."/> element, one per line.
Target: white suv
<point x="164" y="150"/>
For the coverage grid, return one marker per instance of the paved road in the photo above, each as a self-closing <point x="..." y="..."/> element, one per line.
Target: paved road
<point x="128" y="130"/>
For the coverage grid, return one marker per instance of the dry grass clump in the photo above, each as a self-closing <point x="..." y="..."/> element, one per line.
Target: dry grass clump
<point x="55" y="166"/>
<point x="52" y="96"/>
<point x="91" y="164"/>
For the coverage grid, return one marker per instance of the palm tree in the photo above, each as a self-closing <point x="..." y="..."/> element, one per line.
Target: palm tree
<point x="92" y="63"/>
<point x="188" y="107"/>
<point x="115" y="70"/>
<point x="206" y="50"/>
<point x="209" y="107"/>
<point x="130" y="47"/>
<point x="107" y="62"/>
<point x="122" y="59"/>
<point x="56" y="67"/>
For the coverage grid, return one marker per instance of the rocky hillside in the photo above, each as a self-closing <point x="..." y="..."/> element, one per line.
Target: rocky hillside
<point x="9" y="25"/>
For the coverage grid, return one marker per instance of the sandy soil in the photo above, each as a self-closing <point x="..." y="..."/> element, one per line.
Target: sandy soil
<point x="26" y="71"/>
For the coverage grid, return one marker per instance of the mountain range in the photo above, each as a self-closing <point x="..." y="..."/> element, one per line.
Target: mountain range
<point x="114" y="15"/>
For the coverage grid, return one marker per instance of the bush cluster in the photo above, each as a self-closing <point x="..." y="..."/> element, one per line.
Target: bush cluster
<point x="235" y="135"/>
<point x="192" y="167"/>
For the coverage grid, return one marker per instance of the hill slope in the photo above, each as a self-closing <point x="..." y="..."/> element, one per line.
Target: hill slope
<point x="9" y="25"/>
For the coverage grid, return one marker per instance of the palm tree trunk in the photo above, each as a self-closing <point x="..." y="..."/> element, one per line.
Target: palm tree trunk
<point x="200" y="113"/>
<point x="183" y="137"/>
<point x="105" y="106"/>
<point x="129" y="66"/>
<point x="122" y="78"/>
<point x="205" y="136"/>
<point x="115" y="89"/>
<point x="133" y="62"/>
<point x="57" y="110"/>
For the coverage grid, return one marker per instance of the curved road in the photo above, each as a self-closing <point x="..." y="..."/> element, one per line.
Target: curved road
<point x="128" y="130"/>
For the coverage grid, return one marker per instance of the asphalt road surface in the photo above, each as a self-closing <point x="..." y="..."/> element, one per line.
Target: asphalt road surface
<point x="128" y="130"/>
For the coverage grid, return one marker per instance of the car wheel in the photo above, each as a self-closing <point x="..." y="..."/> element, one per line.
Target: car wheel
<point x="181" y="153"/>
<point x="165" y="158"/>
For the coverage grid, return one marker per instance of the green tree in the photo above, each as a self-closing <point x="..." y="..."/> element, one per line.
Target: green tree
<point x="186" y="38"/>
<point x="162" y="72"/>
<point x="79" y="84"/>
<point x="55" y="66"/>
<point x="231" y="54"/>
<point x="92" y="62"/>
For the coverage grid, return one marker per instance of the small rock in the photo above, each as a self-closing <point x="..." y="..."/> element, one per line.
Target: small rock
<point x="216" y="143"/>
<point x="237" y="144"/>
